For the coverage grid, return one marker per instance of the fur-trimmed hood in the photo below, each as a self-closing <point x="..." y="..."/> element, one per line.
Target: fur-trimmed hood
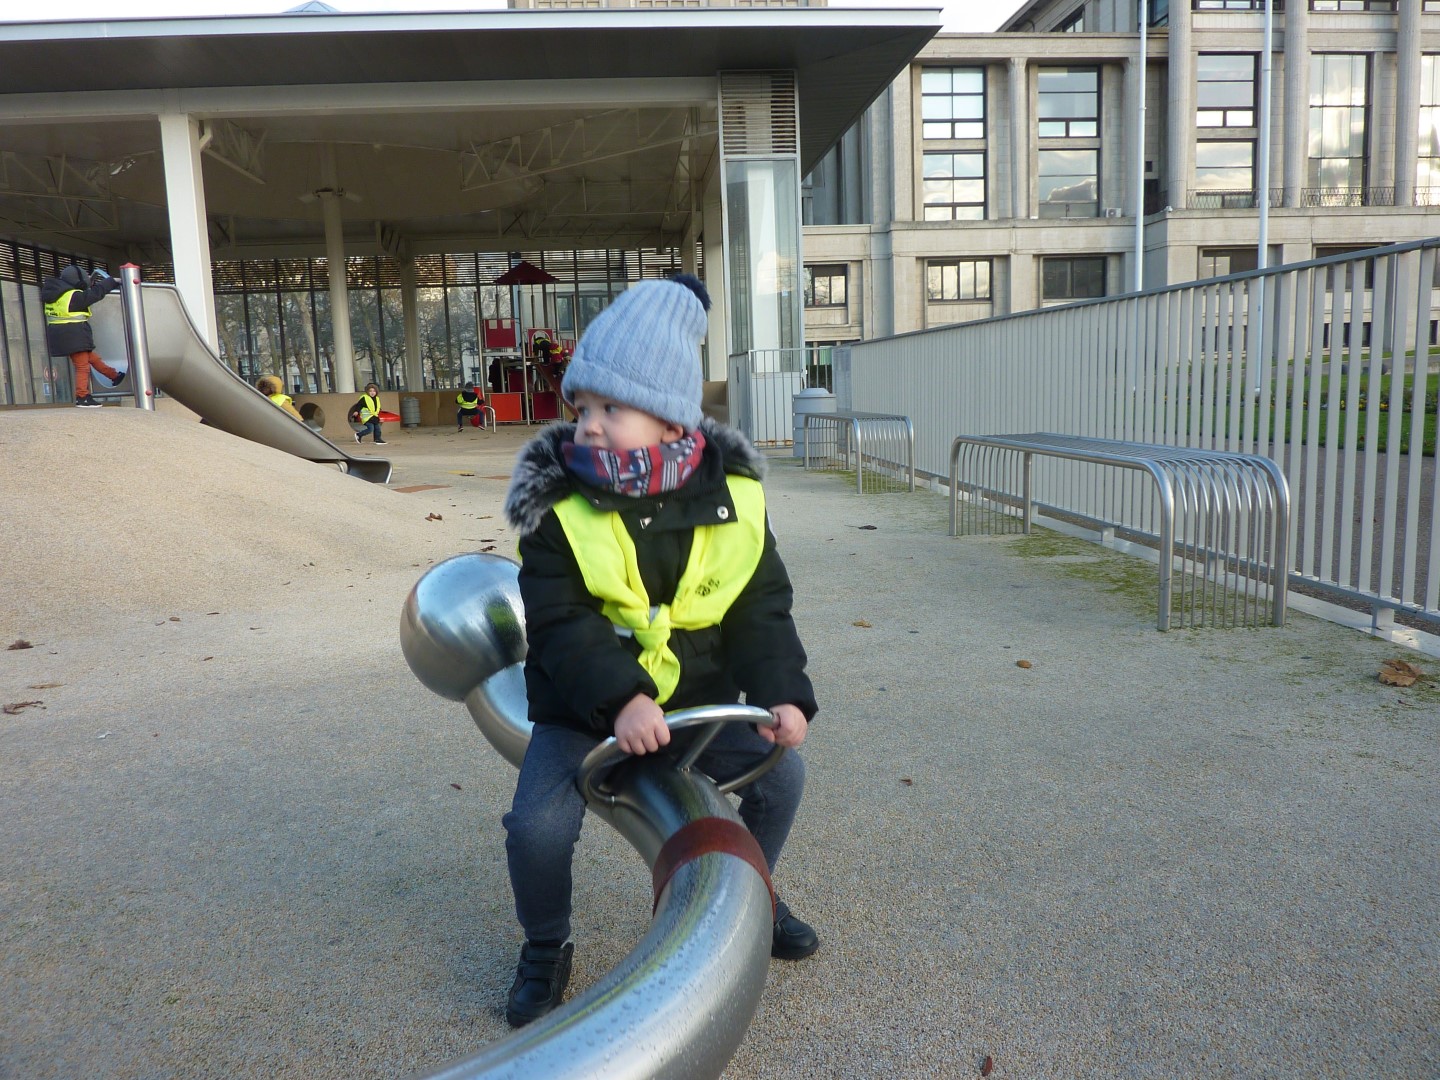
<point x="540" y="479"/>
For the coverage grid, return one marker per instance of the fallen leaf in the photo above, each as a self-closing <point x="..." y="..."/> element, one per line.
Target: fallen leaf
<point x="20" y="644"/>
<point x="15" y="706"/>
<point x="457" y="787"/>
<point x="488" y="547"/>
<point x="176" y="618"/>
<point x="987" y="1065"/>
<point x="866" y="528"/>
<point x="465" y="474"/>
<point x="907" y="781"/>
<point x="217" y="613"/>
<point x="1023" y="663"/>
<point x="43" y="686"/>
<point x="1399" y="673"/>
<point x="861" y="622"/>
<point x="204" y="658"/>
<point x="433" y="517"/>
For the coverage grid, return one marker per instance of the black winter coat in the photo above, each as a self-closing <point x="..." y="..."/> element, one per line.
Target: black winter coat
<point x="579" y="673"/>
<point x="66" y="338"/>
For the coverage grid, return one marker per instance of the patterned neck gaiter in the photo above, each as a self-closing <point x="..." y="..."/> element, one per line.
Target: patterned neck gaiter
<point x="650" y="470"/>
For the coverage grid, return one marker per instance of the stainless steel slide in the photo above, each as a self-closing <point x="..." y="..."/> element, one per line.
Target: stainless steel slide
<point x="183" y="365"/>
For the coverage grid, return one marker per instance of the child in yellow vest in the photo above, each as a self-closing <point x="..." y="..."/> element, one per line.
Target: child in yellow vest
<point x="693" y="543"/>
<point x="272" y="388"/>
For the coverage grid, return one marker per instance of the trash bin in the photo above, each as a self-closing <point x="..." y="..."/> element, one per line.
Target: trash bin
<point x="409" y="412"/>
<point x="813" y="399"/>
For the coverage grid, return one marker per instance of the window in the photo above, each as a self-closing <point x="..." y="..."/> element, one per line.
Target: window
<point x="1069" y="183"/>
<point x="1218" y="262"/>
<point x="957" y="279"/>
<point x="825" y="285"/>
<point x="1079" y="278"/>
<point x="1075" y="24"/>
<point x="1427" y="164"/>
<point x="1338" y="83"/>
<point x="954" y="187"/>
<point x="1069" y="106"/>
<point x="1225" y="166"/>
<point x="952" y="103"/>
<point x="1224" y="91"/>
<point x="1352" y="5"/>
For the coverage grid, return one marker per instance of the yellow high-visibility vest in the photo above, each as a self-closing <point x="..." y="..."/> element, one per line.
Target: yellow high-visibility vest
<point x="58" y="310"/>
<point x="722" y="561"/>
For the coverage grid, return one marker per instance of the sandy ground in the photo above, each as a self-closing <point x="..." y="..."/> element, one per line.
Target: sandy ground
<point x="240" y="839"/>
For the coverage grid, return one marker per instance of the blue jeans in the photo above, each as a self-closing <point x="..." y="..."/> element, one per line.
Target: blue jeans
<point x="544" y="822"/>
<point x="372" y="427"/>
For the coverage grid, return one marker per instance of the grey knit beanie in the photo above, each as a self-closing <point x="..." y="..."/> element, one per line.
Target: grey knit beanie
<point x="644" y="350"/>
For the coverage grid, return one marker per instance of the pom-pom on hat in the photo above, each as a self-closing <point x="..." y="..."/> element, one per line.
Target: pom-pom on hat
<point x="644" y="350"/>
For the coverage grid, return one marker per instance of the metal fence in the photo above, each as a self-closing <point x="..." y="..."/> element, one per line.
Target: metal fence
<point x="1328" y="367"/>
<point x="763" y="385"/>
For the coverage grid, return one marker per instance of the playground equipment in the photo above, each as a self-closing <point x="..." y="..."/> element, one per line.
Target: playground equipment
<point x="152" y="329"/>
<point x="678" y="1005"/>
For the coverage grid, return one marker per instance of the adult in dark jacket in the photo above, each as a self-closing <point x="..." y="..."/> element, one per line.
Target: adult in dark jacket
<point x="650" y="579"/>
<point x="68" y="299"/>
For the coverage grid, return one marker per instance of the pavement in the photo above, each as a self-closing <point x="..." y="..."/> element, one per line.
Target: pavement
<point x="1037" y="833"/>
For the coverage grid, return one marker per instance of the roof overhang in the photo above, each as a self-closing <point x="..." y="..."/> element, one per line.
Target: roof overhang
<point x="843" y="57"/>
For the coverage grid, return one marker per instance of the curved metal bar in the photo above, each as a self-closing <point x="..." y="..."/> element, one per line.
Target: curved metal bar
<point x="709" y="719"/>
<point x="678" y="1005"/>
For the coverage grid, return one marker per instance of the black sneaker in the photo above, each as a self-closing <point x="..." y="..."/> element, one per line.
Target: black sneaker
<point x="357" y="437"/>
<point x="381" y="442"/>
<point x="119" y="377"/>
<point x="87" y="402"/>
<point x="540" y="980"/>
<point x="792" y="939"/>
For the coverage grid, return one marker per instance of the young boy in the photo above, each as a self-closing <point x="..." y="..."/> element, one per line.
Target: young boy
<point x="367" y="411"/>
<point x="68" y="300"/>
<point x="620" y="516"/>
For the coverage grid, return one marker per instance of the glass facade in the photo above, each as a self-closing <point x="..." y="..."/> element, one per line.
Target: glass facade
<point x="762" y="207"/>
<point x="1427" y="165"/>
<point x="1069" y="183"/>
<point x="952" y="103"/>
<point x="1076" y="278"/>
<point x="1069" y="103"/>
<point x="953" y="188"/>
<point x="1338" y="95"/>
<point x="825" y="286"/>
<point x="957" y="279"/>
<point x="1224" y="90"/>
<point x="273" y="315"/>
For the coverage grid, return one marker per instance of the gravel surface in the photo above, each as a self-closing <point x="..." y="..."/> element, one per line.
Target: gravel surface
<point x="239" y="839"/>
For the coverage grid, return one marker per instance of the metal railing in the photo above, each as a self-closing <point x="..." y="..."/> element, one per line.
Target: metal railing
<point x="880" y="447"/>
<point x="1243" y="363"/>
<point x="1223" y="519"/>
<point x="1231" y="199"/>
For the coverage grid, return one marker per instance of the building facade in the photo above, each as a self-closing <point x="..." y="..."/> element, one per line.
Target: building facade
<point x="1002" y="172"/>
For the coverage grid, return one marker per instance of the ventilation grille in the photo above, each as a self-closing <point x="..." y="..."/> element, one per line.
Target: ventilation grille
<point x="758" y="115"/>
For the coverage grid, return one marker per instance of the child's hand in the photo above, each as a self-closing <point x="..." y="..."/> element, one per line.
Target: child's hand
<point x="791" y="726"/>
<point x="640" y="727"/>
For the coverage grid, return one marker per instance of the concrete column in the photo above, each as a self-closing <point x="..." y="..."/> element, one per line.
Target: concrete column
<point x="1407" y="102"/>
<point x="1019" y="88"/>
<point x="409" y="315"/>
<point x="1296" y="124"/>
<point x="717" y="340"/>
<point x="1133" y="142"/>
<point x="345" y="374"/>
<point x="1180" y="154"/>
<point x="189" y="238"/>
